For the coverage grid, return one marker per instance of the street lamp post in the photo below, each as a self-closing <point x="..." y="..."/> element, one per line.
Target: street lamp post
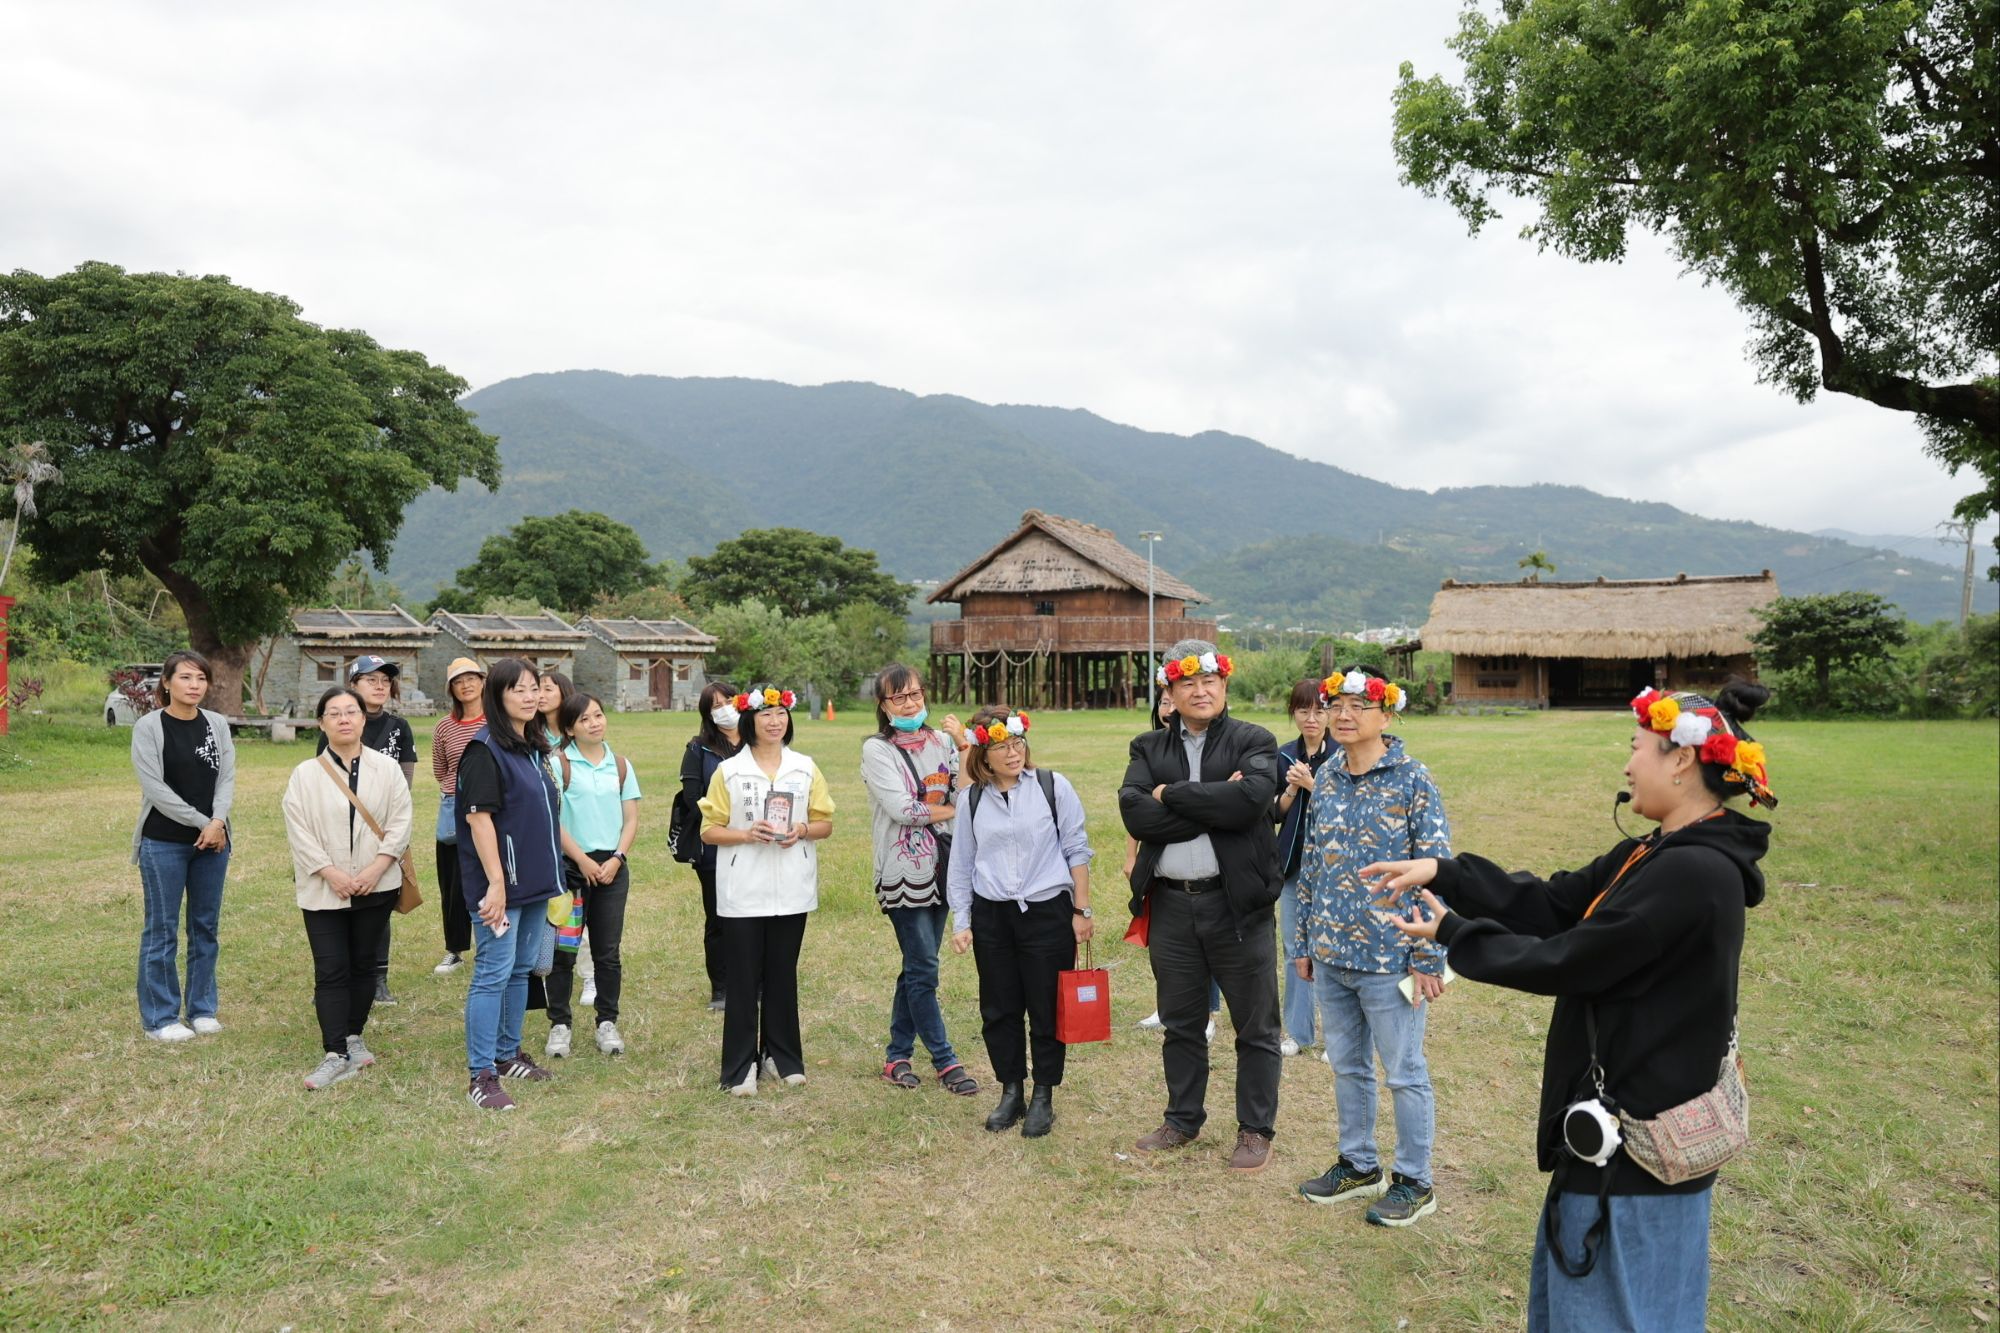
<point x="1151" y="651"/>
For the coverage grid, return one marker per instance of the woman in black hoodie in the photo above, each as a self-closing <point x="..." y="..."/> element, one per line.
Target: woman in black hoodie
<point x="1647" y="938"/>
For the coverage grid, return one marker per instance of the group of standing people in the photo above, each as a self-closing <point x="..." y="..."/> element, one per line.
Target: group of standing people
<point x="1322" y="855"/>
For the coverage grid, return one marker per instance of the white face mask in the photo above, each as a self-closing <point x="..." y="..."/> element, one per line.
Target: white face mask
<point x="724" y="715"/>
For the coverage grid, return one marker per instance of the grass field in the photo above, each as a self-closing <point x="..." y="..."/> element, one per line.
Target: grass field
<point x="198" y="1186"/>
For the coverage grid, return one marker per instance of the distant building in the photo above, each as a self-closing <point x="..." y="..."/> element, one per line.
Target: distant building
<point x="643" y="665"/>
<point x="1055" y="617"/>
<point x="1563" y="645"/>
<point x="544" y="639"/>
<point x="320" y="643"/>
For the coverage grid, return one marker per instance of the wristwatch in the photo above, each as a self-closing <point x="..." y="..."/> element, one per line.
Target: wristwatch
<point x="1083" y="912"/>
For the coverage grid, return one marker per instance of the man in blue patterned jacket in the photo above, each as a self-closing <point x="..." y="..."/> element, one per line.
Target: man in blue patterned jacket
<point x="1371" y="802"/>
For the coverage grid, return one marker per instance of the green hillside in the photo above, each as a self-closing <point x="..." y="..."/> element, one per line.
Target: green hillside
<point x="688" y="462"/>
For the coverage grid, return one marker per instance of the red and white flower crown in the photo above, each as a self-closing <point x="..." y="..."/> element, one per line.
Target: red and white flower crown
<point x="1180" y="668"/>
<point x="999" y="731"/>
<point x="1372" y="688"/>
<point x="766" y="698"/>
<point x="1686" y="718"/>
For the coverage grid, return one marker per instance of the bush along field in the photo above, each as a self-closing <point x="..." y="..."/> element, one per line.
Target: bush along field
<point x="199" y="1186"/>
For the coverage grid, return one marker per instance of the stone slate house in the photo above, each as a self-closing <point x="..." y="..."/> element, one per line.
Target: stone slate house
<point x="643" y="665"/>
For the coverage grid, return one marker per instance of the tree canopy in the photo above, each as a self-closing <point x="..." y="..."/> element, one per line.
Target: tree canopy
<point x="210" y="436"/>
<point x="566" y="561"/>
<point x="800" y="573"/>
<point x="1834" y="166"/>
<point x="1827" y="631"/>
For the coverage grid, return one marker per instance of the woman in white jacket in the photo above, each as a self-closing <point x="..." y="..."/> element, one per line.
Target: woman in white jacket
<point x="766" y="807"/>
<point x="346" y="877"/>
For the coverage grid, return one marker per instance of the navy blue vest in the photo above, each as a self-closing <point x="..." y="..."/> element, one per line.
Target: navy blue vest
<point x="525" y="823"/>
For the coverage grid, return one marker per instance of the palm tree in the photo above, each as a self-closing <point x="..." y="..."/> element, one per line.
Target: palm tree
<point x="1538" y="562"/>
<point x="25" y="467"/>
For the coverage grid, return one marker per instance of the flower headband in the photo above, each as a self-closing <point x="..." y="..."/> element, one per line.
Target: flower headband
<point x="1376" y="690"/>
<point x="1689" y="719"/>
<point x="1208" y="664"/>
<point x="766" y="698"/>
<point x="1014" y="727"/>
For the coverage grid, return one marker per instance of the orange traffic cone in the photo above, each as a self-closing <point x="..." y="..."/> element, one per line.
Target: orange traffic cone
<point x="829" y="710"/>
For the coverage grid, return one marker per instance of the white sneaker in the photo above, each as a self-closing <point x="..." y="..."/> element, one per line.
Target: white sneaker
<point x="1209" y="1036"/>
<point x="748" y="1087"/>
<point x="770" y="1069"/>
<point x="589" y="996"/>
<point x="358" y="1053"/>
<point x="452" y="962"/>
<point x="608" y="1040"/>
<point x="175" y="1031"/>
<point x="1288" y="1047"/>
<point x="1151" y="1022"/>
<point x="558" y="1044"/>
<point x="207" y="1027"/>
<point x="795" y="1080"/>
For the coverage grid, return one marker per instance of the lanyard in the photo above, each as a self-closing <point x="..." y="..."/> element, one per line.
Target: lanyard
<point x="1638" y="854"/>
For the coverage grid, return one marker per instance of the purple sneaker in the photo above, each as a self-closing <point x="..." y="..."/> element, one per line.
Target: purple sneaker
<point x="518" y="1065"/>
<point x="487" y="1094"/>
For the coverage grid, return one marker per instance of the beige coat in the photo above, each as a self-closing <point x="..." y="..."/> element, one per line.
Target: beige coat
<point x="316" y="822"/>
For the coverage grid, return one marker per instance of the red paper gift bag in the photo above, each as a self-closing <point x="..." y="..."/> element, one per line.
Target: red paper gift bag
<point x="1083" y="1003"/>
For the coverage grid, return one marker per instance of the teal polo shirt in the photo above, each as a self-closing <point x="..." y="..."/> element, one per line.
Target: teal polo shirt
<point x="593" y="809"/>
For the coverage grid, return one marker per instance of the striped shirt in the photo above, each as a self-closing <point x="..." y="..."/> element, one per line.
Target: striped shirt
<point x="448" y="744"/>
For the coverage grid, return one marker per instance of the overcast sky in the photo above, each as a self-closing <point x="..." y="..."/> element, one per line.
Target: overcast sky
<point x="1179" y="216"/>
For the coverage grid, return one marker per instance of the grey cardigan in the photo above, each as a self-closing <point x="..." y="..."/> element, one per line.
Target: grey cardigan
<point x="148" y="744"/>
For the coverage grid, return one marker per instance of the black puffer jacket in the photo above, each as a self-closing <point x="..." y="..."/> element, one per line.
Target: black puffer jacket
<point x="1658" y="958"/>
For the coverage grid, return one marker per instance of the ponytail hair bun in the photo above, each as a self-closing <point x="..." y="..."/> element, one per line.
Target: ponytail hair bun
<point x="1739" y="700"/>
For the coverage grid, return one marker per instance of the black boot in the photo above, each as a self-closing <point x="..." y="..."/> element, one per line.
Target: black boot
<point x="1008" y="1113"/>
<point x="1041" y="1112"/>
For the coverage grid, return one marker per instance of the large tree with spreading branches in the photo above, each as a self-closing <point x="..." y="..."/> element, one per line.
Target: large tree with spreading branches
<point x="1834" y="166"/>
<point x="210" y="436"/>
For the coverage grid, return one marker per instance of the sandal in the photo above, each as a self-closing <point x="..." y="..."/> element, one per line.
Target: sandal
<point x="957" y="1082"/>
<point x="899" y="1074"/>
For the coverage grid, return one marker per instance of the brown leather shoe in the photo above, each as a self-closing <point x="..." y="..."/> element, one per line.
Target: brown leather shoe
<point x="1163" y="1138"/>
<point x="1253" y="1152"/>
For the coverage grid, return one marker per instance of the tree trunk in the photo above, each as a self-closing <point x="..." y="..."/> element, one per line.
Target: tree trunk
<point x="229" y="662"/>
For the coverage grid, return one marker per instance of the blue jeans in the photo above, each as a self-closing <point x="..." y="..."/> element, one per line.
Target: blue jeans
<point x="497" y="1000"/>
<point x="1296" y="1009"/>
<point x="1651" y="1272"/>
<point x="1357" y="1010"/>
<point x="915" y="1012"/>
<point x="169" y="872"/>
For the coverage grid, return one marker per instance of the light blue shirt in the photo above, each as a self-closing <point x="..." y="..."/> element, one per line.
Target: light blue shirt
<point x="1019" y="852"/>
<point x="1193" y="858"/>
<point x="593" y="807"/>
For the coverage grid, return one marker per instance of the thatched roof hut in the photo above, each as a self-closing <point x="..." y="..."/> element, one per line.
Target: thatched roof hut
<point x="1057" y="615"/>
<point x="1559" y="643"/>
<point x="1049" y="553"/>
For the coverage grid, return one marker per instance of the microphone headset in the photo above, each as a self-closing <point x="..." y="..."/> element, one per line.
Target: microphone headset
<point x="1622" y="799"/>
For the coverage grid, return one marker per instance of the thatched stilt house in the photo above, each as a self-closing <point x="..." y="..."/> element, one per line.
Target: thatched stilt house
<point x="1055" y="617"/>
<point x="1558" y="645"/>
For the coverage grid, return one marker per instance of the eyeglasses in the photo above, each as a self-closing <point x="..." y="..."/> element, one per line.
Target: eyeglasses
<point x="906" y="697"/>
<point x="1310" y="709"/>
<point x="341" y="713"/>
<point x="1351" y="706"/>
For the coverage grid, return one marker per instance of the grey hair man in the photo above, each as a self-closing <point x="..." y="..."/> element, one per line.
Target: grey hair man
<point x="1197" y="795"/>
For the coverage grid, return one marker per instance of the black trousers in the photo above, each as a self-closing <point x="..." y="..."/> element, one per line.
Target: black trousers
<point x="712" y="951"/>
<point x="762" y="957"/>
<point x="603" y="928"/>
<point x="344" y="940"/>
<point x="451" y="901"/>
<point x="1196" y="939"/>
<point x="1019" y="954"/>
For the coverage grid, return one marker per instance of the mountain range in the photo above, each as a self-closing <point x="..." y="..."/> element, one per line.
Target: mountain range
<point x="929" y="482"/>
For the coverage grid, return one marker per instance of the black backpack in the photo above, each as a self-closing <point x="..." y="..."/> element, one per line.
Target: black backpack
<point x="684" y="822"/>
